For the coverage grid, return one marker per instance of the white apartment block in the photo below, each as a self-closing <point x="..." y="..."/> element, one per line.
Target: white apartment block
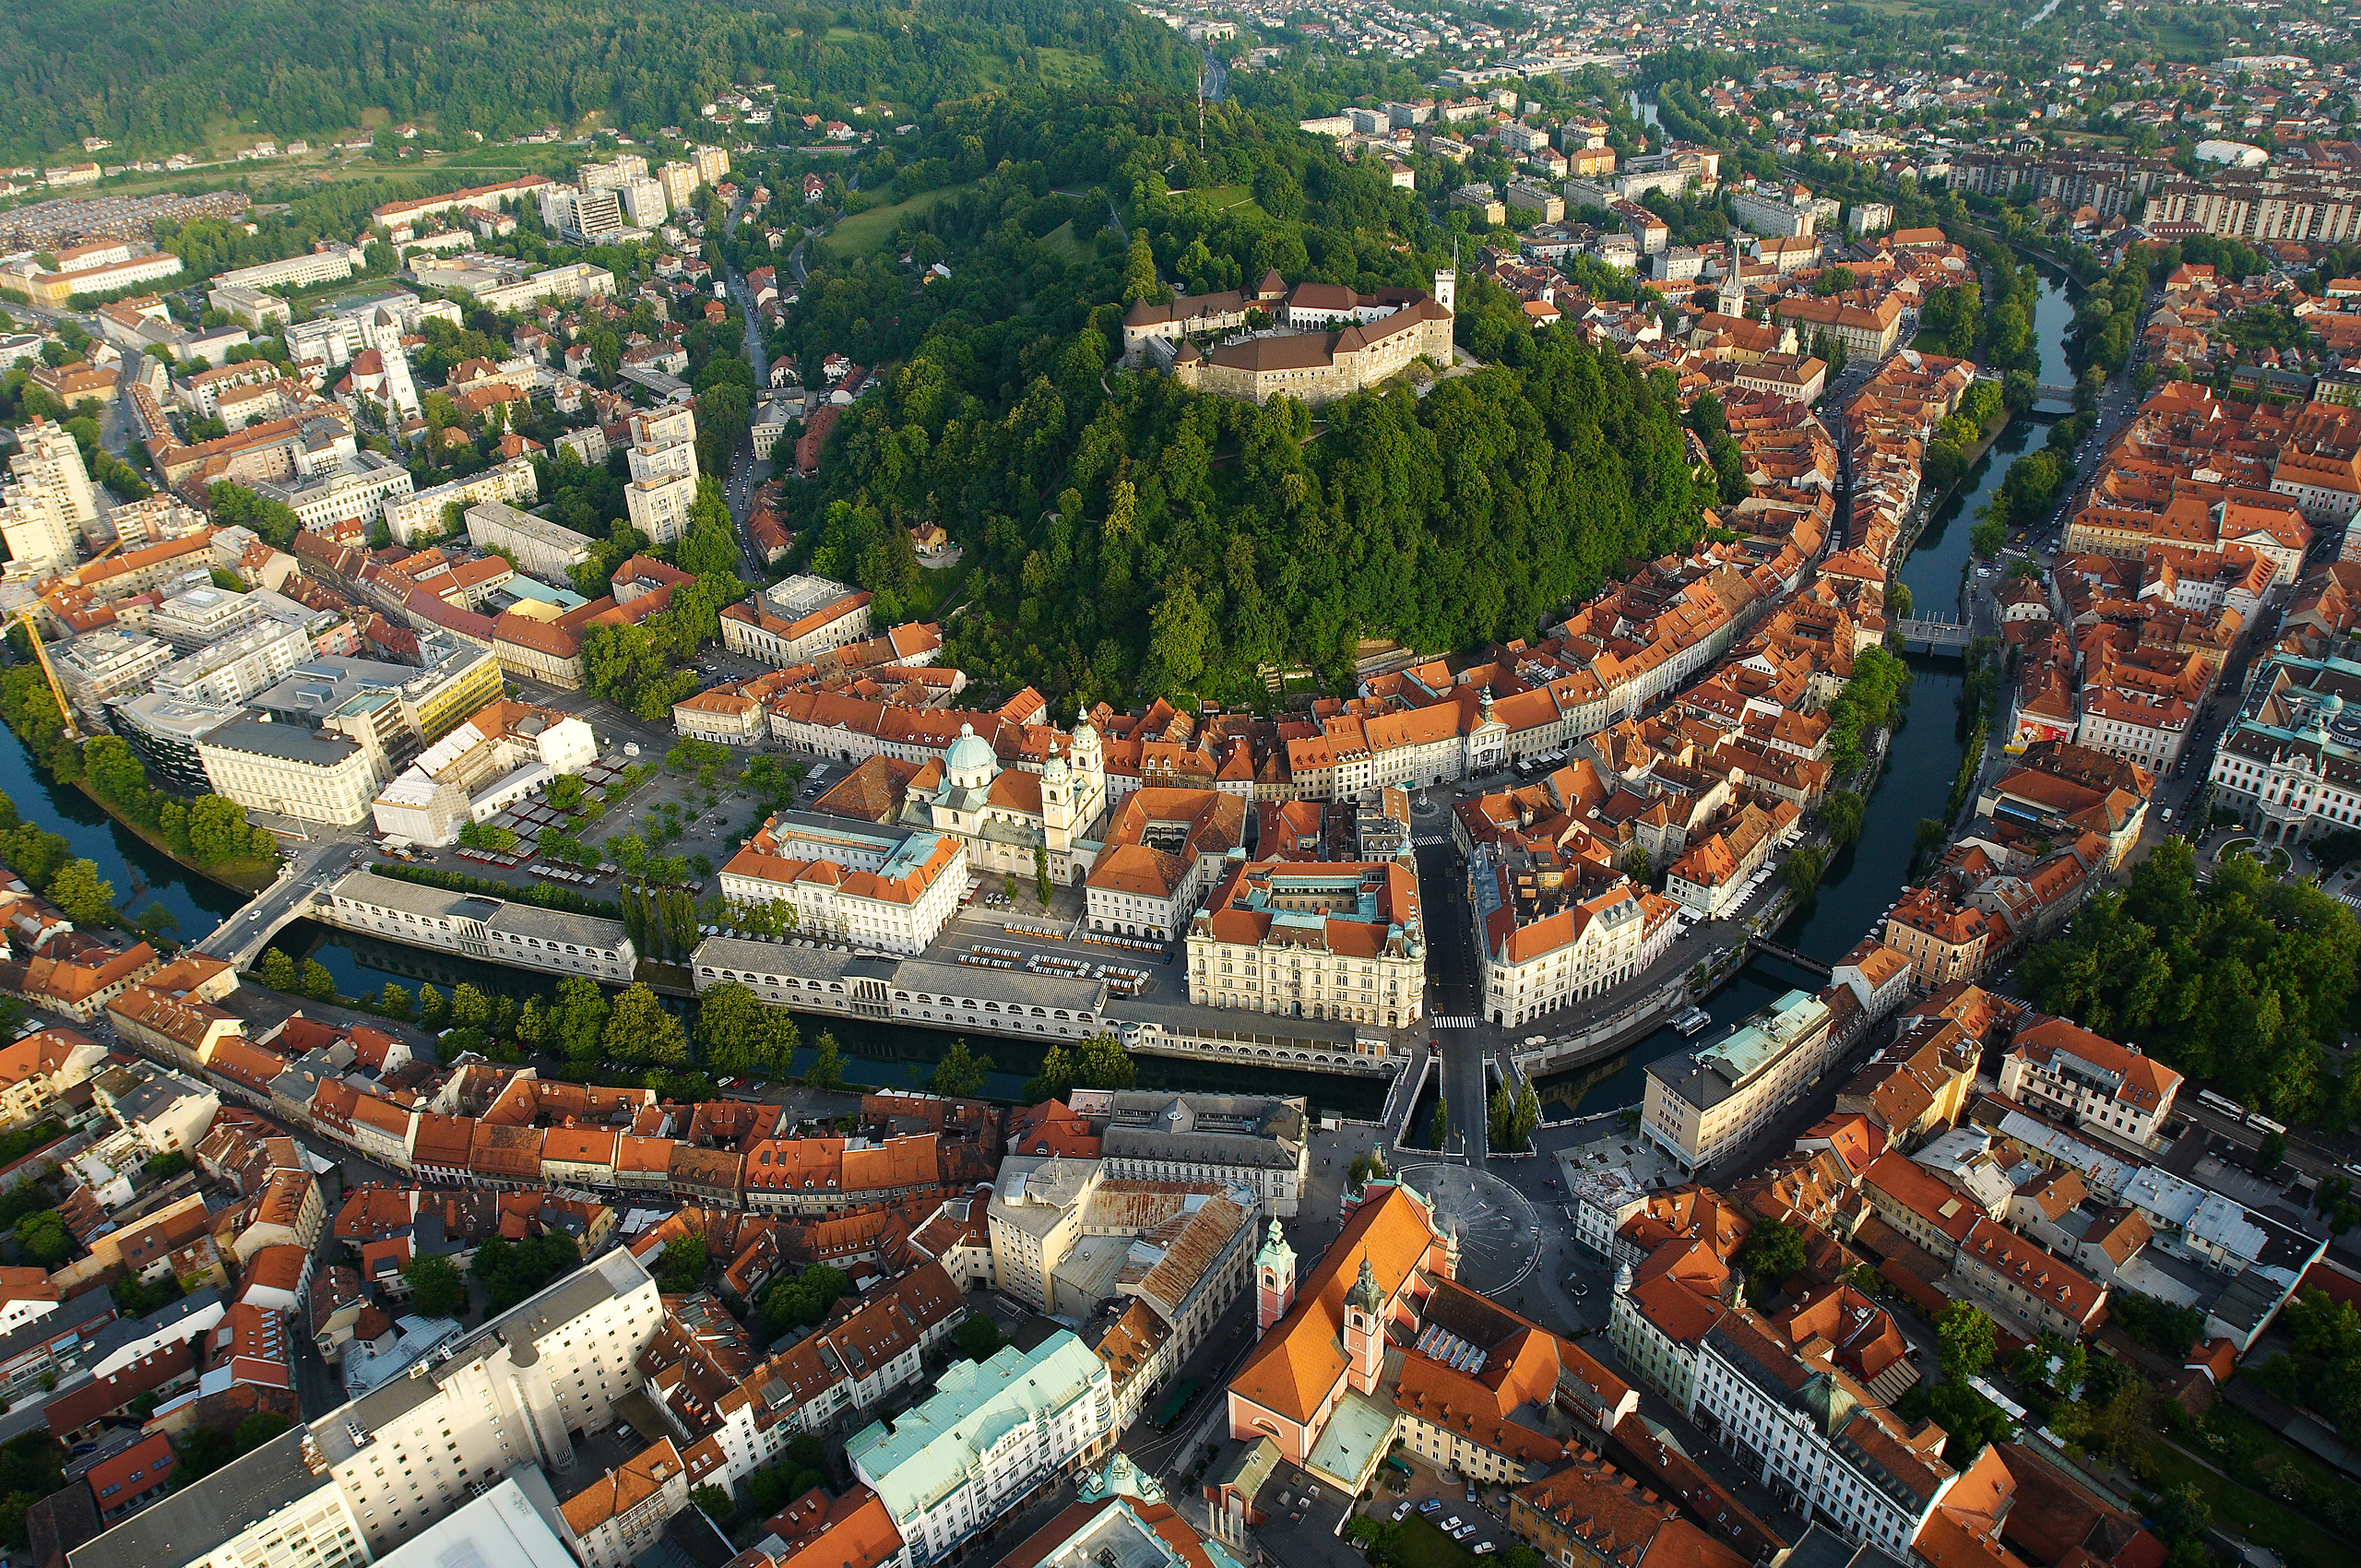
<point x="236" y="667"/>
<point x="293" y="1515"/>
<point x="375" y="1473"/>
<point x="793" y="622"/>
<point x="575" y="281"/>
<point x="659" y="494"/>
<point x="48" y="502"/>
<point x="663" y="459"/>
<point x="613" y="175"/>
<point x="544" y="549"/>
<point x="102" y="664"/>
<point x="990" y="1433"/>
<point x="312" y="775"/>
<point x="331" y="264"/>
<point x="1773" y="212"/>
<point x="644" y="202"/>
<point x="420" y="516"/>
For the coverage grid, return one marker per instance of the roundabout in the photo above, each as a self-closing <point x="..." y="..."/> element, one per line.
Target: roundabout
<point x="1498" y="1246"/>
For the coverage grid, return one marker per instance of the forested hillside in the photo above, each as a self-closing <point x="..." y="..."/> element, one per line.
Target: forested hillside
<point x="157" y="75"/>
<point x="1128" y="536"/>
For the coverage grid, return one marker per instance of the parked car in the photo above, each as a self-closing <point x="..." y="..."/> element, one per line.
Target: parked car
<point x="1485" y="1549"/>
<point x="1401" y="1513"/>
<point x="1451" y="1526"/>
<point x="1471" y="1494"/>
<point x="1431" y="1505"/>
<point x="1463" y="1532"/>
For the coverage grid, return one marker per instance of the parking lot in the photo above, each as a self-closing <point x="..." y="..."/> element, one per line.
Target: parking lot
<point x="1441" y="1500"/>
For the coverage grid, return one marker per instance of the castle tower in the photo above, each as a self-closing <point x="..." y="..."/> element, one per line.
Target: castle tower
<point x="1273" y="1280"/>
<point x="1447" y="286"/>
<point x="1365" y="1331"/>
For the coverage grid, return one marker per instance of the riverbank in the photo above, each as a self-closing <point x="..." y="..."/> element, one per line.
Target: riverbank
<point x="248" y="874"/>
<point x="1971" y="471"/>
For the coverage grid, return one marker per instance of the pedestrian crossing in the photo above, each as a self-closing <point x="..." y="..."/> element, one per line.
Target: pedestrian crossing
<point x="1432" y="840"/>
<point x="1455" y="1021"/>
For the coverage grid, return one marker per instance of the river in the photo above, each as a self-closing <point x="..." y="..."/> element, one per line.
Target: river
<point x="1862" y="883"/>
<point x="875" y="1054"/>
<point x="1937" y="566"/>
<point x="1858" y="886"/>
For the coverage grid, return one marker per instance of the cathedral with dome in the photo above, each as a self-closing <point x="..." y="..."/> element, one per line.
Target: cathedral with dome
<point x="1002" y="813"/>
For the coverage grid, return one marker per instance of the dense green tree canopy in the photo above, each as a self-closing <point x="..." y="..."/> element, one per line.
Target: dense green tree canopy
<point x="162" y="76"/>
<point x="2239" y="981"/>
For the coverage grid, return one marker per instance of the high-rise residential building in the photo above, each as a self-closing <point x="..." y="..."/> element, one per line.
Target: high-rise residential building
<point x="663" y="459"/>
<point x="614" y="175"/>
<point x="644" y="202"/>
<point x="680" y="181"/>
<point x="407" y="1463"/>
<point x="49" y="501"/>
<point x="713" y="162"/>
<point x="593" y="215"/>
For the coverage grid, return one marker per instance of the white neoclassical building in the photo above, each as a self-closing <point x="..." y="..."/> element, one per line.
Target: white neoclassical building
<point x="2291" y="765"/>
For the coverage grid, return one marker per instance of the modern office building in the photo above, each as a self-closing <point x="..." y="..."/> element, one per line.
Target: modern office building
<point x="237" y="667"/>
<point x="312" y="775"/>
<point x="164" y="730"/>
<point x="1707" y="1102"/>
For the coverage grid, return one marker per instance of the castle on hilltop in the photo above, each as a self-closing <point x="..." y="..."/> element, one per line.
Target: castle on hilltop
<point x="1325" y="340"/>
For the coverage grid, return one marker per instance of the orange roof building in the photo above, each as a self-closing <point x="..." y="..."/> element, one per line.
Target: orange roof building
<point x="1328" y="1345"/>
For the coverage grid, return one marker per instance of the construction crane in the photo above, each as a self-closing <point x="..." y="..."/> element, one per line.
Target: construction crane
<point x="32" y="636"/>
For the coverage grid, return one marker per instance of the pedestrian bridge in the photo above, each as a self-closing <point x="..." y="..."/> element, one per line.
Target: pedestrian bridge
<point x="1790" y="957"/>
<point x="1928" y="635"/>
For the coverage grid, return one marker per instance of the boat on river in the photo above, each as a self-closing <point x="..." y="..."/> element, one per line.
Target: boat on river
<point x="1689" y="1023"/>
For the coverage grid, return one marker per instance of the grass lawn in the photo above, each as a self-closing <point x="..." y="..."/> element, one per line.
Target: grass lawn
<point x="1061" y="242"/>
<point x="2260" y="1520"/>
<point x="1221" y="198"/>
<point x="873" y="230"/>
<point x="939" y="588"/>
<point x="2267" y="1454"/>
<point x="1424" y="1545"/>
<point x="1069" y="66"/>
